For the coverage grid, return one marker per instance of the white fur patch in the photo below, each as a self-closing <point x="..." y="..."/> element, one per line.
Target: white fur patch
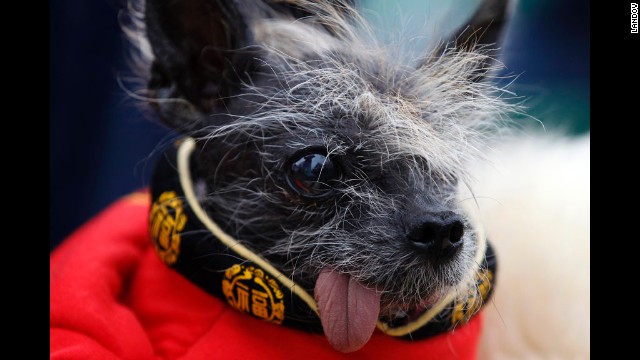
<point x="292" y="38"/>
<point x="535" y="204"/>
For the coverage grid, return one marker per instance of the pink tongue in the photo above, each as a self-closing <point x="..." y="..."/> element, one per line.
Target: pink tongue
<point x="348" y="310"/>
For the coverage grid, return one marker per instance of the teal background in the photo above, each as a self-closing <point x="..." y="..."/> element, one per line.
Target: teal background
<point x="546" y="47"/>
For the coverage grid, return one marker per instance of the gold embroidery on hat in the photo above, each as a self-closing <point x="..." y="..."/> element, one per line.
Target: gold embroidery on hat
<point x="167" y="219"/>
<point x="250" y="290"/>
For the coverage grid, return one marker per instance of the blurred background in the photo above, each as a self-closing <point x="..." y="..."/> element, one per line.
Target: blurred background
<point x="102" y="145"/>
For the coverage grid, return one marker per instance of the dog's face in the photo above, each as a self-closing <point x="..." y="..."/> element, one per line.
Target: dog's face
<point x="322" y="153"/>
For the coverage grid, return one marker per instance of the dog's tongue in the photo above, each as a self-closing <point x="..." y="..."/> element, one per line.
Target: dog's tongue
<point x="348" y="310"/>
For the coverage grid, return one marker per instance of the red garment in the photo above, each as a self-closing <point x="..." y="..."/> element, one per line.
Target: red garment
<point x="112" y="298"/>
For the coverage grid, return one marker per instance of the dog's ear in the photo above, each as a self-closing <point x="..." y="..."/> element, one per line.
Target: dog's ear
<point x="483" y="31"/>
<point x="202" y="50"/>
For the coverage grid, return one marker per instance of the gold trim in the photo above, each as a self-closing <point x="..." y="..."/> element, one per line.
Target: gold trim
<point x="184" y="151"/>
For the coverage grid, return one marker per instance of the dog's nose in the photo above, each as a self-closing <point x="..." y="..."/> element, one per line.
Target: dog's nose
<point x="439" y="235"/>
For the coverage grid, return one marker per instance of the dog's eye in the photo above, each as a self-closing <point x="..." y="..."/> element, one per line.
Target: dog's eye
<point x="313" y="175"/>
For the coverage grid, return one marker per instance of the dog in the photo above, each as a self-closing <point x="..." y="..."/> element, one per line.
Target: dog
<point x="325" y="155"/>
<point x="326" y="173"/>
